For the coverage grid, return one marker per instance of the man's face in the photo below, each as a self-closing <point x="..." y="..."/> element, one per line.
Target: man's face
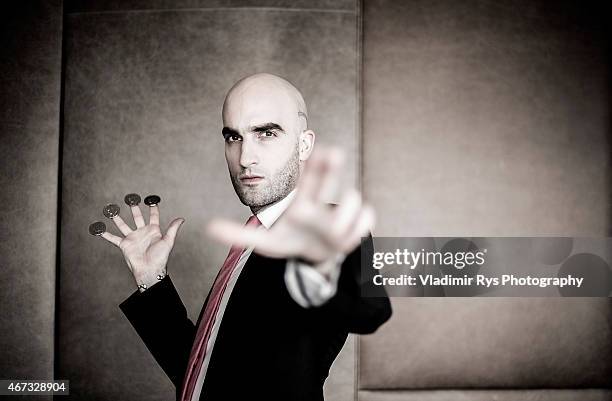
<point x="261" y="127"/>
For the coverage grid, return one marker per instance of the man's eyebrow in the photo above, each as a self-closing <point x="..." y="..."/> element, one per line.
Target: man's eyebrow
<point x="266" y="127"/>
<point x="228" y="132"/>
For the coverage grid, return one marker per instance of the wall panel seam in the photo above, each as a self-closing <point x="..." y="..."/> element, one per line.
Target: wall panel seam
<point x="360" y="158"/>
<point x="424" y="389"/>
<point x="207" y="9"/>
<point x="60" y="151"/>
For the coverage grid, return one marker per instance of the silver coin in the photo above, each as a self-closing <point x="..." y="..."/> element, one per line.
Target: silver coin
<point x="152" y="200"/>
<point x="97" y="228"/>
<point x="132" y="199"/>
<point x="110" y="210"/>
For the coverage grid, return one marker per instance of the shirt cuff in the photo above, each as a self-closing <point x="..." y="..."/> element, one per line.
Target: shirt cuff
<point x="313" y="286"/>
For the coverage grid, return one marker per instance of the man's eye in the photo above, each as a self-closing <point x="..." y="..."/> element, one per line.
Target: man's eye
<point x="268" y="134"/>
<point x="233" y="138"/>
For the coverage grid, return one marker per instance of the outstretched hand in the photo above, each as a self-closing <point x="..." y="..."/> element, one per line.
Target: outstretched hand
<point x="310" y="228"/>
<point x="145" y="249"/>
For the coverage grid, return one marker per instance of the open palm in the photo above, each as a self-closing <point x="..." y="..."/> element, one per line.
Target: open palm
<point x="310" y="228"/>
<point x="145" y="249"/>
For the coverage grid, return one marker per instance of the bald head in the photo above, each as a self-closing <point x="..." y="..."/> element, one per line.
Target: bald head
<point x="268" y="90"/>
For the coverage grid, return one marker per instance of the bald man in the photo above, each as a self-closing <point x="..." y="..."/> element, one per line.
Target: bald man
<point x="292" y="286"/>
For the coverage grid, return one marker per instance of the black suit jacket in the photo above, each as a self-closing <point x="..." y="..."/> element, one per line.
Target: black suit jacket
<point x="268" y="346"/>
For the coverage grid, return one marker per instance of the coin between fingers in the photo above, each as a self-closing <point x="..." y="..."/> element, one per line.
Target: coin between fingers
<point x="110" y="210"/>
<point x="132" y="199"/>
<point x="152" y="200"/>
<point x="97" y="228"/>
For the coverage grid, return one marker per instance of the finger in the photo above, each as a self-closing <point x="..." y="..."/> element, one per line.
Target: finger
<point x="113" y="239"/>
<point x="346" y="214"/>
<point x="173" y="228"/>
<point x="154" y="215"/>
<point x="137" y="214"/>
<point x="363" y="226"/>
<point x="307" y="187"/>
<point x="329" y="174"/>
<point x="231" y="233"/>
<point x="124" y="228"/>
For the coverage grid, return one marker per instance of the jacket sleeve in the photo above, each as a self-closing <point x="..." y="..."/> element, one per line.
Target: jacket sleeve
<point x="358" y="306"/>
<point x="160" y="319"/>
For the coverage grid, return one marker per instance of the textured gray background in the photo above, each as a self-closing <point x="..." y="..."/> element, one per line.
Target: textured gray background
<point x="483" y="118"/>
<point x="487" y="119"/>
<point x="30" y="71"/>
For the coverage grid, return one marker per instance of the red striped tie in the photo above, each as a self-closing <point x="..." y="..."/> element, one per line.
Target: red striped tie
<point x="198" y="350"/>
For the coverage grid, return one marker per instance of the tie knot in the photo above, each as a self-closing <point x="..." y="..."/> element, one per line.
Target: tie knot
<point x="253" y="221"/>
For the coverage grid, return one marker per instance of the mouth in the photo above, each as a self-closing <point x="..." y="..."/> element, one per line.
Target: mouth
<point x="250" y="179"/>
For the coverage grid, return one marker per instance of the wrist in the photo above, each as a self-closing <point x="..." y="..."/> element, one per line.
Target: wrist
<point x="146" y="281"/>
<point x="325" y="267"/>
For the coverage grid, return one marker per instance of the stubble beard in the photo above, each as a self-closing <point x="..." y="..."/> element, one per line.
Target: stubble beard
<point x="279" y="186"/>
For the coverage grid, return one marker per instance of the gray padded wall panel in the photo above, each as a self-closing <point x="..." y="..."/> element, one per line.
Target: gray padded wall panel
<point x="142" y="114"/>
<point x="490" y="343"/>
<point x="30" y="72"/>
<point x="488" y="395"/>
<point x="487" y="118"/>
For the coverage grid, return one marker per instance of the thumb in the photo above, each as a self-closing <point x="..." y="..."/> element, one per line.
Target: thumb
<point x="173" y="228"/>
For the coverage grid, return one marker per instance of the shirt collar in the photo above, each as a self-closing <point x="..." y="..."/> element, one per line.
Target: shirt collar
<point x="271" y="213"/>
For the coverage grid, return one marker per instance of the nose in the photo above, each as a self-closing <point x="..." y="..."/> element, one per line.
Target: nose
<point x="248" y="152"/>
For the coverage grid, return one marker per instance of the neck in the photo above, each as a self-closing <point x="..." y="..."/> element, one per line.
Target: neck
<point x="258" y="209"/>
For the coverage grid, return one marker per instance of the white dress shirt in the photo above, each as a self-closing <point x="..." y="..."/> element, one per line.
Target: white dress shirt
<point x="306" y="285"/>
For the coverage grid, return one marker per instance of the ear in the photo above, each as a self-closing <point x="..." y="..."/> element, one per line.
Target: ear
<point x="306" y="144"/>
